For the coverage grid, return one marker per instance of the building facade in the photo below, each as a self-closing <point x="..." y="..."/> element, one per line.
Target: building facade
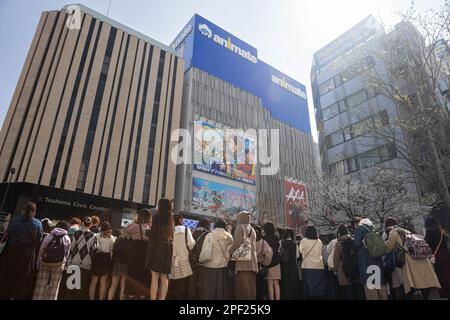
<point x="91" y="117"/>
<point x="226" y="86"/>
<point x="347" y="107"/>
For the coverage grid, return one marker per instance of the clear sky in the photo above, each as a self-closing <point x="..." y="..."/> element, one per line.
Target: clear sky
<point x="285" y="32"/>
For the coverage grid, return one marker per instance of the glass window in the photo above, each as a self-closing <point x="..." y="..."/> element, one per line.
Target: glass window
<point x="326" y="86"/>
<point x="336" y="138"/>
<point x="387" y="152"/>
<point x="337" y="80"/>
<point x="361" y="128"/>
<point x="330" y="112"/>
<point x="352" y="164"/>
<point x="371" y="93"/>
<point x="369" y="158"/>
<point x="370" y="61"/>
<point x="342" y="105"/>
<point x="356" y="98"/>
<point x="381" y="119"/>
<point x="339" y="168"/>
<point x="348" y="74"/>
<point x="347" y="134"/>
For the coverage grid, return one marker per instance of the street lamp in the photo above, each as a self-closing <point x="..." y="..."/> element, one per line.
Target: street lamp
<point x="12" y="171"/>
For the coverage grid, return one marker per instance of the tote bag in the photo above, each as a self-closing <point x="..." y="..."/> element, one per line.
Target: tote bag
<point x="244" y="252"/>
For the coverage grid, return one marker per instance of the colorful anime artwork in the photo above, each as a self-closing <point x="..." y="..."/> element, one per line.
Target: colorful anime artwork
<point x="216" y="196"/>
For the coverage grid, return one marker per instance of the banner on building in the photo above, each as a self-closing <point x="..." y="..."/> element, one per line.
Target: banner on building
<point x="216" y="196"/>
<point x="210" y="153"/>
<point x="295" y="203"/>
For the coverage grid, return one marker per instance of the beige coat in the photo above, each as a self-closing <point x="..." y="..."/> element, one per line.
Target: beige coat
<point x="311" y="251"/>
<point x="244" y="224"/>
<point x="221" y="242"/>
<point x="417" y="274"/>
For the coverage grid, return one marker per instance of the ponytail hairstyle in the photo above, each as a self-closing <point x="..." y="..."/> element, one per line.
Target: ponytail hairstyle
<point x="29" y="211"/>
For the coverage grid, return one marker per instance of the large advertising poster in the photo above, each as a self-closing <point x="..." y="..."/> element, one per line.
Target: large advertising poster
<point x="295" y="203"/>
<point x="216" y="196"/>
<point x="211" y="157"/>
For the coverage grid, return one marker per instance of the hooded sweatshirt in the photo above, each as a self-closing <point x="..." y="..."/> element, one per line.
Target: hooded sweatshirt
<point x="180" y="251"/>
<point x="221" y="242"/>
<point x="56" y="232"/>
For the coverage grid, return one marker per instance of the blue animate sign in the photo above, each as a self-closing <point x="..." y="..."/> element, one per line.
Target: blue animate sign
<point x="208" y="47"/>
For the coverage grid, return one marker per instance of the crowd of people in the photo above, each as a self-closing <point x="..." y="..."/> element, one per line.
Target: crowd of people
<point x="157" y="257"/>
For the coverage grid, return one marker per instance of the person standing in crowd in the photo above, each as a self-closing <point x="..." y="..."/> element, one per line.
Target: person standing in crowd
<point x="314" y="281"/>
<point x="53" y="255"/>
<point x="393" y="273"/>
<point x="289" y="273"/>
<point x="264" y="257"/>
<point x="75" y="224"/>
<point x="181" y="269"/>
<point x="439" y="242"/>
<point x="273" y="272"/>
<point x="82" y="250"/>
<point x="345" y="263"/>
<point x="102" y="263"/>
<point x="213" y="276"/>
<point x="47" y="226"/>
<point x="365" y="261"/>
<point x="416" y="274"/>
<point x="137" y="283"/>
<point x="245" y="271"/>
<point x="95" y="227"/>
<point x="17" y="271"/>
<point x="120" y="264"/>
<point x="199" y="235"/>
<point x="159" y="258"/>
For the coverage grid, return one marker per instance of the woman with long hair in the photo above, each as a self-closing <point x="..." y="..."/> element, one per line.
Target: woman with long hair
<point x="314" y="280"/>
<point x="24" y="234"/>
<point x="159" y="258"/>
<point x="102" y="263"/>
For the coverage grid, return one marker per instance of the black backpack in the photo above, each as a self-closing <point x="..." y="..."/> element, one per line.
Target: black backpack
<point x="55" y="251"/>
<point x="350" y="258"/>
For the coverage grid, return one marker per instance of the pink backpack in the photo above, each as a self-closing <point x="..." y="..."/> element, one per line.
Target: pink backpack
<point x="417" y="247"/>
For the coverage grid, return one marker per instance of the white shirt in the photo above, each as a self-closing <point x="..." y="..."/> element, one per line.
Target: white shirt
<point x="105" y="245"/>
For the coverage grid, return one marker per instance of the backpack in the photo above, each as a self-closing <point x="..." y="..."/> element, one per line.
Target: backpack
<point x="374" y="243"/>
<point x="417" y="247"/>
<point x="350" y="259"/>
<point x="55" y="251"/>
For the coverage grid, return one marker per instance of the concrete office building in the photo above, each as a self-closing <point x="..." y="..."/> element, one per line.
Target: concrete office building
<point x="345" y="104"/>
<point x="88" y="128"/>
<point x="227" y="86"/>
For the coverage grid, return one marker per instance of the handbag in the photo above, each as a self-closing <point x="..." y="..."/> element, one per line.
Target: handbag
<point x="3" y="242"/>
<point x="244" y="252"/>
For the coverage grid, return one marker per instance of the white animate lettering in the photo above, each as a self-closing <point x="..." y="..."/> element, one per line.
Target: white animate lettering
<point x="207" y="32"/>
<point x="289" y="87"/>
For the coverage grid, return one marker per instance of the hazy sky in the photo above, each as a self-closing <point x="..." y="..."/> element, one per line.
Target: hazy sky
<point x="285" y="32"/>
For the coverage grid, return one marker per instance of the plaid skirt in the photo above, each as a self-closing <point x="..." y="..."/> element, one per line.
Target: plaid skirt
<point x="180" y="269"/>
